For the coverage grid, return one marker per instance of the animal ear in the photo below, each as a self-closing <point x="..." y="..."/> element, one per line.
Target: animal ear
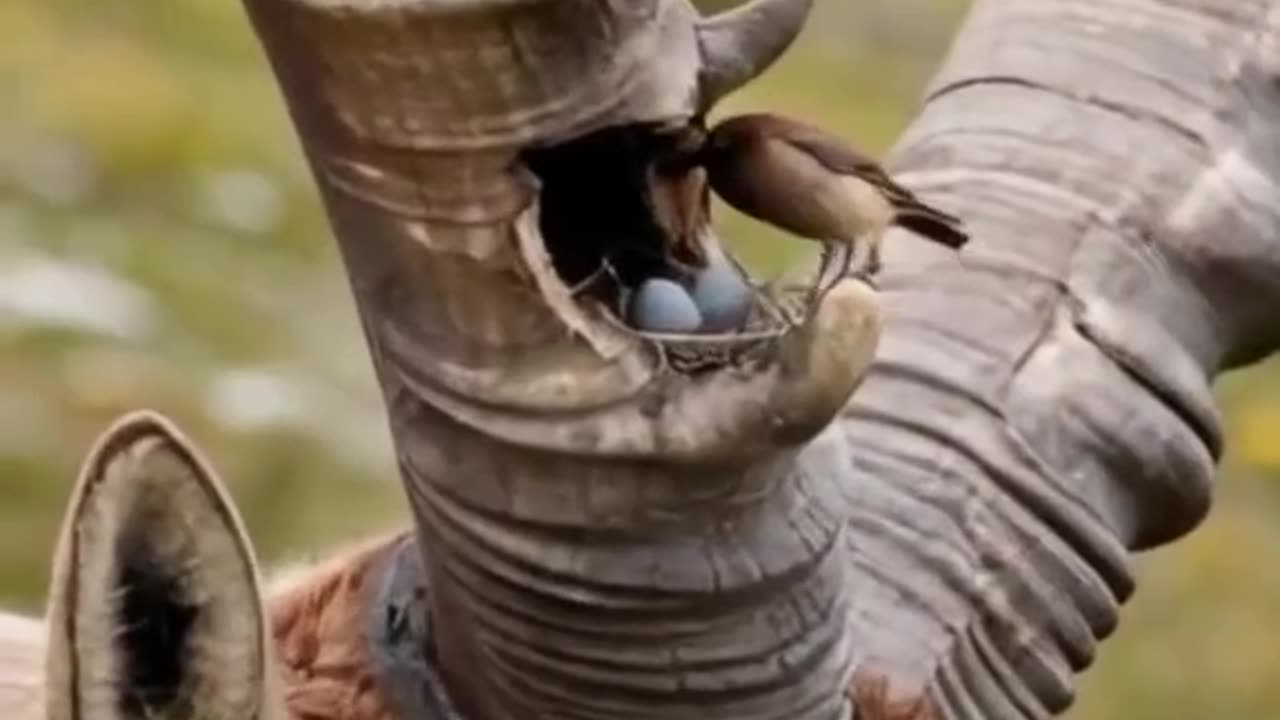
<point x="154" y="608"/>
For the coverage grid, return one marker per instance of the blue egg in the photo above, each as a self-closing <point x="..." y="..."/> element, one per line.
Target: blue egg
<point x="722" y="296"/>
<point x="660" y="305"/>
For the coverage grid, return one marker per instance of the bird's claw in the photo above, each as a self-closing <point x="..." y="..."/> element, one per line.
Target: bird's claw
<point x="873" y="265"/>
<point x="837" y="258"/>
<point x="870" y="269"/>
<point x="867" y="277"/>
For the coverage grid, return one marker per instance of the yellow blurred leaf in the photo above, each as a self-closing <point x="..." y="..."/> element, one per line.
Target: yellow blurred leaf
<point x="1257" y="435"/>
<point x="27" y="34"/>
<point x="125" y="103"/>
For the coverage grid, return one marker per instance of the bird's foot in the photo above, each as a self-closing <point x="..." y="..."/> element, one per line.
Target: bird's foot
<point x="866" y="277"/>
<point x="873" y="266"/>
<point x="837" y="259"/>
<point x="867" y="271"/>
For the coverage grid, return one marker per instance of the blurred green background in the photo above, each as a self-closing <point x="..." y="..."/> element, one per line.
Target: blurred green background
<point x="161" y="245"/>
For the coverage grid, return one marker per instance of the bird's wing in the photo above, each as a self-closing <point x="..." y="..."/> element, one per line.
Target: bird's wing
<point x="841" y="158"/>
<point x="837" y="156"/>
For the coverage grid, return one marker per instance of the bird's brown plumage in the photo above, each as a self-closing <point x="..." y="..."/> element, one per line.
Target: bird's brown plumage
<point x="781" y="170"/>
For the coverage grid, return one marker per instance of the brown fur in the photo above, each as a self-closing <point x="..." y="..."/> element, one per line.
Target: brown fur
<point x="318" y="621"/>
<point x="870" y="694"/>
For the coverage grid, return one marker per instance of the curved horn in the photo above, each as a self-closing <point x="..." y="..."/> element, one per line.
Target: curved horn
<point x="739" y="44"/>
<point x="154" y="609"/>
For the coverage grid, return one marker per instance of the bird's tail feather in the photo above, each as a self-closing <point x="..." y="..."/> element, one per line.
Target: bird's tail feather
<point x="933" y="224"/>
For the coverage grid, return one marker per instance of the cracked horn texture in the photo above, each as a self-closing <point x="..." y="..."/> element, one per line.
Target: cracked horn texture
<point x="1040" y="407"/>
<point x="413" y="116"/>
<point x="603" y="537"/>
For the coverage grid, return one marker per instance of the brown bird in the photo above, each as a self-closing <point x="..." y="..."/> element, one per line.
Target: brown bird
<point x="677" y="193"/>
<point x="807" y="181"/>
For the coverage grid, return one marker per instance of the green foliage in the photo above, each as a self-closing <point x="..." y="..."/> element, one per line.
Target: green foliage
<point x="162" y="245"/>
<point x="146" y="141"/>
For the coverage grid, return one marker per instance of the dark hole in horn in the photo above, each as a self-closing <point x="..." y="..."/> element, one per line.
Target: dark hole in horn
<point x="596" y="207"/>
<point x="625" y="218"/>
<point x="157" y="623"/>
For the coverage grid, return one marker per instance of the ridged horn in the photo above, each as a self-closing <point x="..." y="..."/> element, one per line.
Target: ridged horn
<point x="739" y="44"/>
